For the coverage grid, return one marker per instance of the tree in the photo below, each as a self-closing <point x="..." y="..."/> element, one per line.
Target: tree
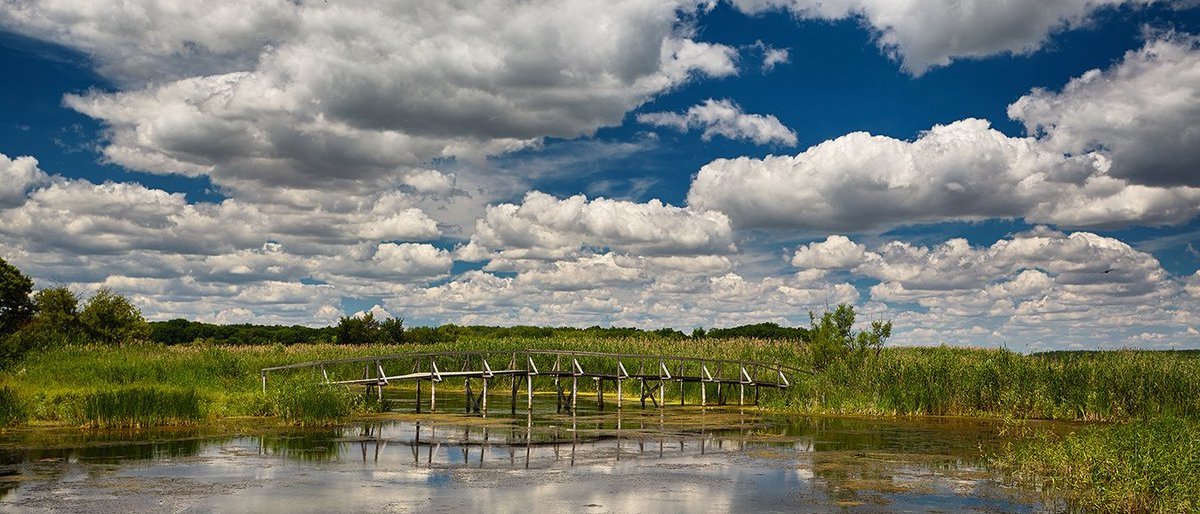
<point x="16" y="308"/>
<point x="358" y="329"/>
<point x="392" y="331"/>
<point x="833" y="339"/>
<point x="110" y="318"/>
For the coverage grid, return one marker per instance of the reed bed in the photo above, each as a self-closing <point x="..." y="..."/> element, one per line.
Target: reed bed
<point x="897" y="381"/>
<point x="1148" y="466"/>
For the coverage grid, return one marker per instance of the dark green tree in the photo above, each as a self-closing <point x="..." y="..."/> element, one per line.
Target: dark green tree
<point x="363" y="329"/>
<point x="111" y="319"/>
<point x="391" y="331"/>
<point x="16" y="308"/>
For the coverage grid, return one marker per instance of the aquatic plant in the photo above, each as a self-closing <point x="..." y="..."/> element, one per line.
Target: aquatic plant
<point x="1142" y="466"/>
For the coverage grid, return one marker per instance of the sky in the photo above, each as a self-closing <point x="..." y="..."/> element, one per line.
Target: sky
<point x="1020" y="174"/>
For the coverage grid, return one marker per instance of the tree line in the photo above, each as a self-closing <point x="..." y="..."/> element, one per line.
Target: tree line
<point x="56" y="316"/>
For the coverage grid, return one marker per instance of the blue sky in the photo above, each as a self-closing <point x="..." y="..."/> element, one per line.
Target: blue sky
<point x="983" y="174"/>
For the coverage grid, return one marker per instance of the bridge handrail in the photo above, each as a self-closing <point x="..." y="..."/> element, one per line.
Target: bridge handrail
<point x="527" y="352"/>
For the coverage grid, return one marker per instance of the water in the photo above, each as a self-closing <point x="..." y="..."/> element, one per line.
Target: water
<point x="678" y="460"/>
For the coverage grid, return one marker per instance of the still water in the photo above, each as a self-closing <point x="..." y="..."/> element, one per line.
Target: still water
<point x="681" y="459"/>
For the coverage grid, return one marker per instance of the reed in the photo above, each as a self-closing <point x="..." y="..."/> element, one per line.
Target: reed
<point x="132" y="407"/>
<point x="1093" y="386"/>
<point x="1143" y="466"/>
<point x="11" y="410"/>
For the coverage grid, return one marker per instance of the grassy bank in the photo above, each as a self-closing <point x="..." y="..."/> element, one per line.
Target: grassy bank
<point x="80" y="384"/>
<point x="1140" y="466"/>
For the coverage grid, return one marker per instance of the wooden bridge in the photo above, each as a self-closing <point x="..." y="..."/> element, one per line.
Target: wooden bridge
<point x="651" y="373"/>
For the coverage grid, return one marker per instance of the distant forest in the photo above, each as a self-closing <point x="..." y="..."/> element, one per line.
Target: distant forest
<point x="182" y="331"/>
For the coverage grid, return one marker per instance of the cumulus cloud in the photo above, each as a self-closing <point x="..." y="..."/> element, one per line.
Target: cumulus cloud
<point x="281" y="96"/>
<point x="771" y="56"/>
<point x="214" y="260"/>
<point x="17" y="178"/>
<point x="924" y="35"/>
<point x="724" y="118"/>
<point x="1144" y="113"/>
<point x="1077" y="169"/>
<point x="836" y="252"/>
<point x="545" y="227"/>
<point x="1039" y="285"/>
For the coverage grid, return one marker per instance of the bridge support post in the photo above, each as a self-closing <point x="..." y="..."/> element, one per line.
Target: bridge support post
<point x="703" y="394"/>
<point x="681" y="382"/>
<point x="574" y="393"/>
<point x="662" y="393"/>
<point x="513" y="403"/>
<point x="432" y="395"/>
<point x="418" y="396"/>
<point x="643" y="393"/>
<point x="470" y="397"/>
<point x="600" y="393"/>
<point x="483" y="397"/>
<point x="618" y="399"/>
<point x="529" y="393"/>
<point x="741" y="394"/>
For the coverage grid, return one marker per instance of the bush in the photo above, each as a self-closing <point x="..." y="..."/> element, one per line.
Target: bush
<point x="833" y="340"/>
<point x="110" y="318"/>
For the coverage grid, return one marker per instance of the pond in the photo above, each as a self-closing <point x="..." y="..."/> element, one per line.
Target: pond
<point x="678" y="459"/>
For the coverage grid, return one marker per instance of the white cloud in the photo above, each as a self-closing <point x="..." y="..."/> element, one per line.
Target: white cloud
<point x="277" y="93"/>
<point x="1143" y="113"/>
<point x="924" y="34"/>
<point x="1043" y="287"/>
<point x="1079" y="169"/>
<point x="545" y="227"/>
<point x="17" y="178"/>
<point x="836" y="252"/>
<point x="724" y="118"/>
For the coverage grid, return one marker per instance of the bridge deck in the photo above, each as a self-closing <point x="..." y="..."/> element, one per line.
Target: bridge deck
<point x="651" y="372"/>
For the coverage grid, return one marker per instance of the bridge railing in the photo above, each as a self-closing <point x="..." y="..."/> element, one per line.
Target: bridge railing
<point x="435" y="366"/>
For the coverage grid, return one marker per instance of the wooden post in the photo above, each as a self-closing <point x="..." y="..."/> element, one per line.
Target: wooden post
<point x="618" y="399"/>
<point x="513" y="403"/>
<point x="703" y="393"/>
<point x="574" y="392"/>
<point x="643" y="392"/>
<point x="741" y="394"/>
<point x="264" y="380"/>
<point x="600" y="392"/>
<point x="483" y="398"/>
<point x="681" y="390"/>
<point x="470" y="399"/>
<point x="418" y="396"/>
<point x="557" y="395"/>
<point x="529" y="392"/>
<point x="432" y="395"/>
<point x="662" y="393"/>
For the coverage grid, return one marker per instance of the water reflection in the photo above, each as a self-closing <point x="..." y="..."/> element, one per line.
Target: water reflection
<point x="780" y="461"/>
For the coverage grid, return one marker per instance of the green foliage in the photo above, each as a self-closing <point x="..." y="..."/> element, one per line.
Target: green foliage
<point x="110" y="318"/>
<point x="1147" y="466"/>
<point x="391" y="331"/>
<point x="698" y="333"/>
<point x="11" y="409"/>
<point x="363" y="329"/>
<point x="182" y="331"/>
<point x="757" y="331"/>
<point x="16" y="308"/>
<point x="310" y="403"/>
<point x="833" y="339"/>
<point x="134" y="407"/>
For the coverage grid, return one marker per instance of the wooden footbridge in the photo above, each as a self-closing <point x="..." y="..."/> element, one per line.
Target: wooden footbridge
<point x="651" y="373"/>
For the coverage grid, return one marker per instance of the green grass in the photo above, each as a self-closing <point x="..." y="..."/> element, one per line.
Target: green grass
<point x="11" y="409"/>
<point x="1142" y="466"/>
<point x="1089" y="386"/>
